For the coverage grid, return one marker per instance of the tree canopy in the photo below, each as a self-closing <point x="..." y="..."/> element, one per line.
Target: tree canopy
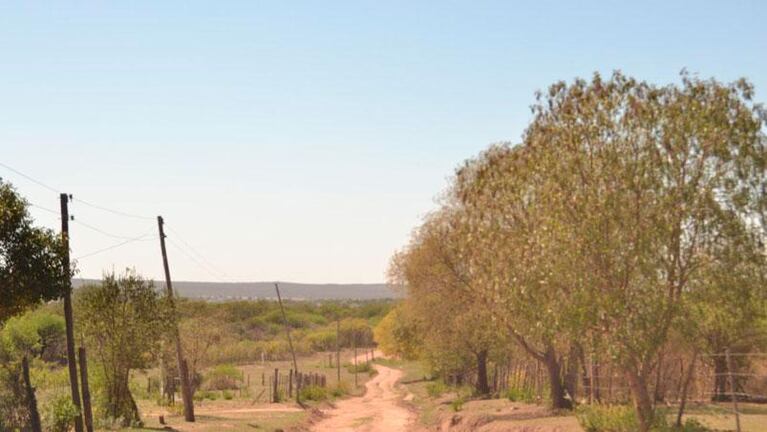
<point x="31" y="268"/>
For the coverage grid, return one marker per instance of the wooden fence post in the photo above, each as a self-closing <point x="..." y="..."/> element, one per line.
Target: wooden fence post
<point x="733" y="390"/>
<point x="31" y="399"/>
<point x="86" y="391"/>
<point x="276" y="396"/>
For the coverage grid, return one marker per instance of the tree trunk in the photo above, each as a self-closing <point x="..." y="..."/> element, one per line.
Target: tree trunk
<point x="571" y="373"/>
<point x="720" y="379"/>
<point x="482" y="386"/>
<point x="121" y="404"/>
<point x="642" y="400"/>
<point x="556" y="387"/>
<point x="659" y="390"/>
<point x="685" y="389"/>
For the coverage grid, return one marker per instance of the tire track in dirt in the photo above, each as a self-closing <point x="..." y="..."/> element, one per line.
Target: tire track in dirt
<point x="379" y="410"/>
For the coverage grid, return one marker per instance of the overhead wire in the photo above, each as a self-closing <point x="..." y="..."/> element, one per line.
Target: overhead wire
<point x="30" y="178"/>
<point x="44" y="209"/>
<point x="190" y="252"/>
<point x="196" y="252"/>
<point x="114" y="246"/>
<point x="101" y="231"/>
<point x="116" y="212"/>
<point x="218" y="277"/>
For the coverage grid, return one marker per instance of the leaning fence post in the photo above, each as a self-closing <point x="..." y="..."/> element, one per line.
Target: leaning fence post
<point x="86" y="391"/>
<point x="31" y="399"/>
<point x="732" y="389"/>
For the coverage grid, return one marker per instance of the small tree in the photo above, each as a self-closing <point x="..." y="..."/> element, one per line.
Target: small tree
<point x="122" y="319"/>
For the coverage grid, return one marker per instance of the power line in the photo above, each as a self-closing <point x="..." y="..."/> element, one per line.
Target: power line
<point x="211" y="272"/>
<point x="197" y="253"/>
<point x="99" y="230"/>
<point x="98" y="207"/>
<point x="117" y="212"/>
<point x="44" y="208"/>
<point x="30" y="178"/>
<point x="115" y="246"/>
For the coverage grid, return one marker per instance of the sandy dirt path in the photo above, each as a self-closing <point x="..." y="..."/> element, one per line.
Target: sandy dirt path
<point x="379" y="410"/>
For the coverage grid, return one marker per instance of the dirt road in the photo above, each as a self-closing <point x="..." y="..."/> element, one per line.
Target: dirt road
<point x="379" y="410"/>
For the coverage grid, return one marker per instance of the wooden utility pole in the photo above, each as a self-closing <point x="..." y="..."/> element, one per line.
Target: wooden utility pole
<point x="186" y="389"/>
<point x="354" y="346"/>
<point x="287" y="332"/>
<point x="338" y="349"/>
<point x="68" y="316"/>
<point x="87" y="411"/>
<point x="287" y="327"/>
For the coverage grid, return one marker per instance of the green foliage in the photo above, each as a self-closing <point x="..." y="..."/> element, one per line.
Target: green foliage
<point x="397" y="335"/>
<point x="691" y="425"/>
<point x="520" y="394"/>
<point x="340" y="390"/>
<point x="362" y="367"/>
<point x="227" y="395"/>
<point x="607" y="418"/>
<point x="60" y="413"/>
<point x="630" y="211"/>
<point x="457" y="403"/>
<point x="223" y="377"/>
<point x="436" y="388"/>
<point x="314" y="393"/>
<point x="123" y="318"/>
<point x="31" y="268"/>
<point x="37" y="333"/>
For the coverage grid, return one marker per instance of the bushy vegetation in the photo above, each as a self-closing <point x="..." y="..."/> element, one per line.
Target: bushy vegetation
<point x="314" y="393"/>
<point x="60" y="414"/>
<point x="629" y="223"/>
<point x="222" y="377"/>
<point x="607" y="418"/>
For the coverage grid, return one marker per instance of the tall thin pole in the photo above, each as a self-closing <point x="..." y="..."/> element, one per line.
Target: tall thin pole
<point x="290" y="340"/>
<point x="733" y="390"/>
<point x="338" y="349"/>
<point x="68" y="315"/>
<point x="87" y="411"/>
<point x="34" y="414"/>
<point x="186" y="389"/>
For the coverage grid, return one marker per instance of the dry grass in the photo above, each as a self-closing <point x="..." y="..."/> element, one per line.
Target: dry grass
<point x="243" y="412"/>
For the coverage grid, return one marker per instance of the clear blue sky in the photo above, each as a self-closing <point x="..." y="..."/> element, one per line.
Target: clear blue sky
<point x="303" y="141"/>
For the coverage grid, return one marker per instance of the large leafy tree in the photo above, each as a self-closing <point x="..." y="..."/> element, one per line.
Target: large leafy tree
<point x="123" y="319"/>
<point x="458" y="332"/>
<point x="30" y="258"/>
<point x="649" y="181"/>
<point x="514" y="249"/>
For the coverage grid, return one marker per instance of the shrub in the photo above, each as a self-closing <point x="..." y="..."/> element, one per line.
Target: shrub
<point x="520" y="394"/>
<point x="227" y="395"/>
<point x="607" y="418"/>
<point x="314" y="393"/>
<point x="223" y="377"/>
<point x="692" y="425"/>
<point x="60" y="414"/>
<point x="436" y="388"/>
<point x="361" y="368"/>
<point x="341" y="389"/>
<point x="457" y="404"/>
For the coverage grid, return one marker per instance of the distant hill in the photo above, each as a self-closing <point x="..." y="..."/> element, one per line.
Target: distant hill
<point x="265" y="290"/>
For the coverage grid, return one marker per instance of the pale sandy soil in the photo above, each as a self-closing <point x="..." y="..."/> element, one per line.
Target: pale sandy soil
<point x="379" y="410"/>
